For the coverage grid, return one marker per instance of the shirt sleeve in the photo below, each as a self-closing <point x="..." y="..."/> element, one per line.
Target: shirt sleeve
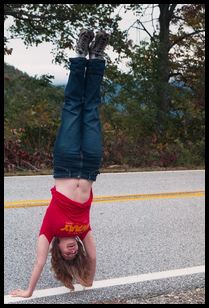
<point x="46" y="227"/>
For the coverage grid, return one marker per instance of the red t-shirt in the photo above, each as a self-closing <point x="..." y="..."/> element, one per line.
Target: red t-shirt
<point x="65" y="217"/>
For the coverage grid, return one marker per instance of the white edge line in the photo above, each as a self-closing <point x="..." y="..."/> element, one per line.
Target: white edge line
<point x="110" y="283"/>
<point x="156" y="171"/>
<point x="109" y="173"/>
<point x="28" y="176"/>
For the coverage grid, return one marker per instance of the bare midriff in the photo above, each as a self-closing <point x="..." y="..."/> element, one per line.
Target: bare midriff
<point x="75" y="189"/>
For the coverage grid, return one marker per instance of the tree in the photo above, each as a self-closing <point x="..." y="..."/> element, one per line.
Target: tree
<point x="178" y="55"/>
<point x="60" y="24"/>
<point x="172" y="52"/>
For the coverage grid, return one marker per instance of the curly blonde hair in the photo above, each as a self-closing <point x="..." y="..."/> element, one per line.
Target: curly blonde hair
<point x="69" y="271"/>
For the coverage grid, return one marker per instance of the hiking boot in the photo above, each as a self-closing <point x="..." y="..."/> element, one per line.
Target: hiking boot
<point x="97" y="47"/>
<point x="84" y="39"/>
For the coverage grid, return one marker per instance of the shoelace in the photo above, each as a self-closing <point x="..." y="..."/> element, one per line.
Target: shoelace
<point x="83" y="42"/>
<point x="101" y="45"/>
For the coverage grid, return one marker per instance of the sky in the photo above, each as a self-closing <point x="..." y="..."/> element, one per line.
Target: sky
<point x="37" y="61"/>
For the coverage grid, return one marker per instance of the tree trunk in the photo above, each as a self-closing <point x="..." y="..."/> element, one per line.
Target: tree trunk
<point x="163" y="71"/>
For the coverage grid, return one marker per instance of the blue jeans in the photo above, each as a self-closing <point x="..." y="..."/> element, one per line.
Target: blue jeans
<point x="78" y="149"/>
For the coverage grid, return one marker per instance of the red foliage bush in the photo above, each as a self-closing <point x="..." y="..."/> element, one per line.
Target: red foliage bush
<point x="16" y="158"/>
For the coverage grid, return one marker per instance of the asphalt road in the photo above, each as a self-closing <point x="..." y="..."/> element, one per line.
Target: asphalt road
<point x="133" y="237"/>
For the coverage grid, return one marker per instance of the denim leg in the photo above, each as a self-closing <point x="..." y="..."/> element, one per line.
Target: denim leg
<point x="67" y="148"/>
<point x="92" y="143"/>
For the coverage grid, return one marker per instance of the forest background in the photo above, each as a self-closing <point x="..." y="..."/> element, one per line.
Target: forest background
<point x="153" y="115"/>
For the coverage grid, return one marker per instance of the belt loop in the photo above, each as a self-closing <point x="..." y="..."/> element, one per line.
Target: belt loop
<point x="69" y="173"/>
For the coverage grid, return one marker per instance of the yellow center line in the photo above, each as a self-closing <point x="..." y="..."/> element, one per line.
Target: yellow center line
<point x="118" y="198"/>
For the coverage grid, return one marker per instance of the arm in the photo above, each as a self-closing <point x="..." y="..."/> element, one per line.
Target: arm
<point x="41" y="257"/>
<point x="90" y="248"/>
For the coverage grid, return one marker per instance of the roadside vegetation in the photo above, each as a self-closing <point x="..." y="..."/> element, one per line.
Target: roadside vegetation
<point x="153" y="116"/>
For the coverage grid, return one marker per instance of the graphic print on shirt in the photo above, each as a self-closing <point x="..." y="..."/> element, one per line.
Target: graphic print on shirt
<point x="69" y="227"/>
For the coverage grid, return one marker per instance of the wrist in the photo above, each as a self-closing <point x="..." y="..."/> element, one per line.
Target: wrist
<point x="30" y="292"/>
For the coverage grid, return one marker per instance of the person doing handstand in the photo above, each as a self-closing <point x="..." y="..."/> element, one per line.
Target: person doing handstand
<point x="77" y="157"/>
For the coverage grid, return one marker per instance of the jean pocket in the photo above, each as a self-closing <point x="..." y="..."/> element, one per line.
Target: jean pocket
<point x="93" y="175"/>
<point x="60" y="171"/>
